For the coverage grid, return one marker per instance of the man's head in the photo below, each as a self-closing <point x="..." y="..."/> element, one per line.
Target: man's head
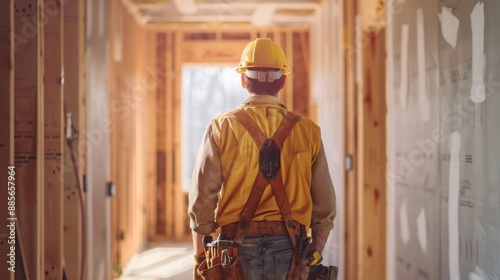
<point x="263" y="67"/>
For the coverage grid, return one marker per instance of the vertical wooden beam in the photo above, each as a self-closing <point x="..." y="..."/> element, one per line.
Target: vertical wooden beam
<point x="289" y="52"/>
<point x="74" y="155"/>
<point x="161" y="134"/>
<point x="120" y="97"/>
<point x="141" y="95"/>
<point x="53" y="123"/>
<point x="116" y="53"/>
<point x="130" y="129"/>
<point x="169" y="122"/>
<point x="153" y="135"/>
<point x="352" y="246"/>
<point x="29" y="134"/>
<point x="40" y="145"/>
<point x="7" y="134"/>
<point x="131" y="136"/>
<point x="300" y="79"/>
<point x="178" y="193"/>
<point x="372" y="185"/>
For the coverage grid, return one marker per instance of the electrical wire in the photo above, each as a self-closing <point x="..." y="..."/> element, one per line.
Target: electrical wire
<point x="69" y="141"/>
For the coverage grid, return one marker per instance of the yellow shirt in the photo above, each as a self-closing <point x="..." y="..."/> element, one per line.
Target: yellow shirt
<point x="228" y="162"/>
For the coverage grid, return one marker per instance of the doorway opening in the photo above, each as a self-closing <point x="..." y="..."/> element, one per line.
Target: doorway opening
<point x="207" y="91"/>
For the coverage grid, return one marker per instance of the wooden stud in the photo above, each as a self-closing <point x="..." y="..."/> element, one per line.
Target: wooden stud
<point x="74" y="102"/>
<point x="127" y="145"/>
<point x="352" y="246"/>
<point x="7" y="131"/>
<point x="29" y="133"/>
<point x="169" y="167"/>
<point x="116" y="43"/>
<point x="40" y="146"/>
<point x="178" y="193"/>
<point x="53" y="123"/>
<point x="289" y="52"/>
<point x="300" y="79"/>
<point x="372" y="188"/>
<point x="162" y="119"/>
<point x="153" y="126"/>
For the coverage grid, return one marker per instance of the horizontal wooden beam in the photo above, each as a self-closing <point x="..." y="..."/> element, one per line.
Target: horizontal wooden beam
<point x="221" y="27"/>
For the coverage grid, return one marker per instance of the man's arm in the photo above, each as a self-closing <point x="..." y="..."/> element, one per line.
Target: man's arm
<point x="324" y="205"/>
<point x="205" y="186"/>
<point x="322" y="194"/>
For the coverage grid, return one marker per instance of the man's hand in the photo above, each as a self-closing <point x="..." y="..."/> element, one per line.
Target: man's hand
<point x="319" y="239"/>
<point x="199" y="253"/>
<point x="197" y="243"/>
<point x="198" y="259"/>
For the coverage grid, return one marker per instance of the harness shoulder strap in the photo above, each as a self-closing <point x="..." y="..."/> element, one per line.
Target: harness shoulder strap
<point x="260" y="182"/>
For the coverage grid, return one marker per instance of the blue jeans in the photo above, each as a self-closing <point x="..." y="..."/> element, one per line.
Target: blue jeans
<point x="266" y="257"/>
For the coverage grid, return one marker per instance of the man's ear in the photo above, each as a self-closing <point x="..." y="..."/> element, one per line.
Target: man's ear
<point x="243" y="84"/>
<point x="283" y="81"/>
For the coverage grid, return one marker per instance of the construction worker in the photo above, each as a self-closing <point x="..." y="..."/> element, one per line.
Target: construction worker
<point x="229" y="161"/>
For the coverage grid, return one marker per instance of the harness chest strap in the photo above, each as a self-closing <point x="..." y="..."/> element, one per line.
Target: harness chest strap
<point x="260" y="182"/>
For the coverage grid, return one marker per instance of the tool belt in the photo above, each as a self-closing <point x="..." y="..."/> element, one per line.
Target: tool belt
<point x="259" y="228"/>
<point x="221" y="260"/>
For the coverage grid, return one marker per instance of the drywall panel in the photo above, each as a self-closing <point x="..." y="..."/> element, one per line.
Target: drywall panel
<point x="444" y="153"/>
<point x="469" y="63"/>
<point x="415" y="118"/>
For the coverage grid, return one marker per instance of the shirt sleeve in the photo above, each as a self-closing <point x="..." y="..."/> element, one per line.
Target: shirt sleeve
<point x="323" y="194"/>
<point x="205" y="185"/>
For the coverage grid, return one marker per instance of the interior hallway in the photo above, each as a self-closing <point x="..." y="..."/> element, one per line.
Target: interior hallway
<point x="103" y="103"/>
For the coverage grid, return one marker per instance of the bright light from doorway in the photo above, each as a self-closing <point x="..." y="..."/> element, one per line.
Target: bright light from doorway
<point x="207" y="91"/>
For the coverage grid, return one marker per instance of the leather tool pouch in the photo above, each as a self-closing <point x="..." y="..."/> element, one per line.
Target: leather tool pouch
<point x="224" y="263"/>
<point x="298" y="268"/>
<point x="321" y="272"/>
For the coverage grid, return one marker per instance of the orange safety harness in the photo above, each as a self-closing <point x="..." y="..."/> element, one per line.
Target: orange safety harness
<point x="269" y="173"/>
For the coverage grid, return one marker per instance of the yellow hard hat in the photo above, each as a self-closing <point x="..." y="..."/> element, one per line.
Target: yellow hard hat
<point x="263" y="53"/>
